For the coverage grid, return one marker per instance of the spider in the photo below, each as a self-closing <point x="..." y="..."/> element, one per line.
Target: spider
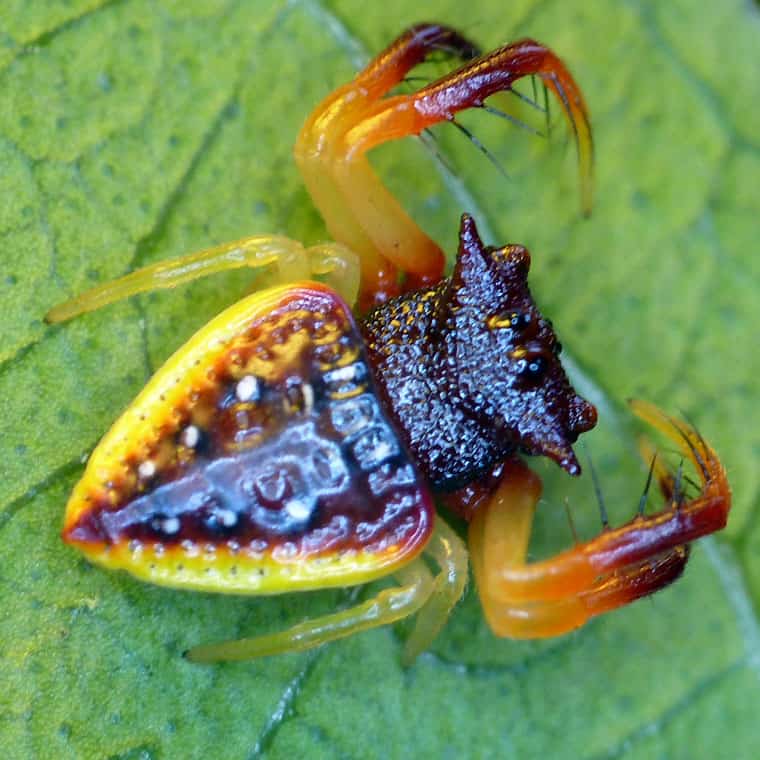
<point x="290" y="445"/>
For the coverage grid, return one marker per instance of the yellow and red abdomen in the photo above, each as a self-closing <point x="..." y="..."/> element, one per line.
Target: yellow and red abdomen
<point x="257" y="460"/>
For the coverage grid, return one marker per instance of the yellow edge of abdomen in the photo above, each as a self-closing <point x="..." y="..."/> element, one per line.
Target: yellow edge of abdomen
<point x="226" y="573"/>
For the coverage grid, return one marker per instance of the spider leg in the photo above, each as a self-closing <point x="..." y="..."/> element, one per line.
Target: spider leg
<point x="357" y="208"/>
<point x="280" y="259"/>
<point x="330" y="150"/>
<point x="450" y="554"/>
<point x="419" y="590"/>
<point x="469" y="87"/>
<point x="547" y="598"/>
<point x="410" y="48"/>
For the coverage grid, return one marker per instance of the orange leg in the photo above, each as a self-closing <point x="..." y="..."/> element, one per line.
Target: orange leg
<point x="330" y="150"/>
<point x="333" y="177"/>
<point x="560" y="594"/>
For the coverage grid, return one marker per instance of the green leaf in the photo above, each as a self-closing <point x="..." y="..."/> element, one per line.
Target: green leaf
<point x="132" y="131"/>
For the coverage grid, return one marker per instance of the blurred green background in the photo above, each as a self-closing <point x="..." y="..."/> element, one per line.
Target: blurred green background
<point x="136" y="130"/>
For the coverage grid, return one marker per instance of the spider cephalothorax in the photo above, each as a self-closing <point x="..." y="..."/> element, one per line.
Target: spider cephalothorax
<point x="471" y="368"/>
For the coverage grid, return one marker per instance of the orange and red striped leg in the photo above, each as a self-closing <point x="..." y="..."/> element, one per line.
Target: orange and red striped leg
<point x="330" y="150"/>
<point x="377" y="227"/>
<point x="551" y="597"/>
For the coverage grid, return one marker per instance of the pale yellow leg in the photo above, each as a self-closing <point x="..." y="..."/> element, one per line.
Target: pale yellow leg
<point x="419" y="590"/>
<point x="450" y="553"/>
<point x="282" y="260"/>
<point x="387" y="607"/>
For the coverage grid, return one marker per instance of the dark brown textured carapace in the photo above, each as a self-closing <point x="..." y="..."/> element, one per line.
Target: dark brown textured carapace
<point x="471" y="371"/>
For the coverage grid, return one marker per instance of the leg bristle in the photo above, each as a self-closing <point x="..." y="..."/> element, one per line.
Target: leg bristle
<point x="479" y="145"/>
<point x="597" y="490"/>
<point x="512" y="120"/>
<point x="571" y="522"/>
<point x="647" y="486"/>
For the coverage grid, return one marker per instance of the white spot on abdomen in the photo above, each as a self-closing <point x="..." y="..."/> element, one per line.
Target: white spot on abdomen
<point x="190" y="436"/>
<point x="170" y="525"/>
<point x="147" y="469"/>
<point x="298" y="510"/>
<point x="247" y="389"/>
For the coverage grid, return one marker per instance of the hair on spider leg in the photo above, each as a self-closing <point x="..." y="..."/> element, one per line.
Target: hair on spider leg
<point x="570" y="521"/>
<point x="491" y="109"/>
<point x="678" y="495"/>
<point x="532" y="102"/>
<point x="512" y="120"/>
<point x="702" y="441"/>
<point x="479" y="145"/>
<point x="686" y="478"/>
<point x="643" y="500"/>
<point x="548" y="122"/>
<point x="545" y="109"/>
<point x="681" y="479"/>
<point x="693" y="483"/>
<point x="675" y="491"/>
<point x="597" y="489"/>
<point x="566" y="103"/>
<point x="703" y="444"/>
<point x="696" y="453"/>
<point x="429" y="139"/>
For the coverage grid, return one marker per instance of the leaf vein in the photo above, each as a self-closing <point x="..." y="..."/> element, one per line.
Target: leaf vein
<point x="45" y="37"/>
<point x="722" y="557"/>
<point x="687" y="73"/>
<point x="285" y="704"/>
<point x="705" y="686"/>
<point x="14" y="507"/>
